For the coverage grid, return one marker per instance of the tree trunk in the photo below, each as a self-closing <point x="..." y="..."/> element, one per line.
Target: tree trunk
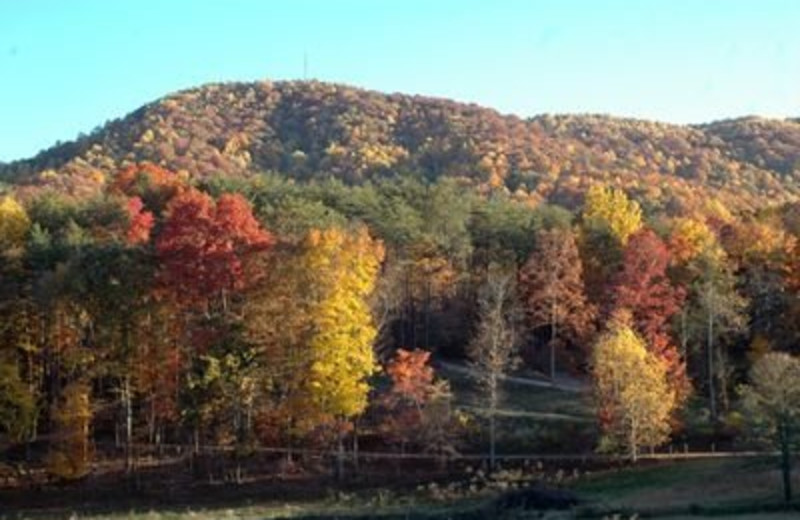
<point x="633" y="448"/>
<point x="712" y="396"/>
<point x="404" y="307"/>
<point x="722" y="388"/>
<point x="427" y="313"/>
<point x="684" y="336"/>
<point x="492" y="453"/>
<point x="289" y="439"/>
<point x="126" y="397"/>
<point x="553" y="335"/>
<point x="786" y="461"/>
<point x="355" y="446"/>
<point x="238" y="423"/>
<point x="151" y="426"/>
<point x="492" y="425"/>
<point x="340" y="451"/>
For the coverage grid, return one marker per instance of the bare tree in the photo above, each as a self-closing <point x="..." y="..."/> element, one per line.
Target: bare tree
<point x="386" y="304"/>
<point x="721" y="310"/>
<point x="493" y="348"/>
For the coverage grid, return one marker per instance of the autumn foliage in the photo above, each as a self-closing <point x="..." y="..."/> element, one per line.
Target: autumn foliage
<point x="343" y="267"/>
<point x="153" y="184"/>
<point x="141" y="222"/>
<point x="553" y="292"/>
<point x="634" y="398"/>
<point x="413" y="386"/>
<point x="203" y="245"/>
<point x="315" y="130"/>
<point x="226" y="306"/>
<point x="644" y="289"/>
<point x="14" y="223"/>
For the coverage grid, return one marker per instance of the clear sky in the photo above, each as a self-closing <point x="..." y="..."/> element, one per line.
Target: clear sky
<point x="68" y="66"/>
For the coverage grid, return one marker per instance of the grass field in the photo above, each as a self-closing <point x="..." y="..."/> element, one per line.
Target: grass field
<point x="266" y="511"/>
<point x="740" y="489"/>
<point x="532" y="417"/>
<point x="719" y="487"/>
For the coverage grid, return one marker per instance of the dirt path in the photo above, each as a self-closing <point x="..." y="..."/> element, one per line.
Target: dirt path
<point x="552" y="416"/>
<point x="562" y="382"/>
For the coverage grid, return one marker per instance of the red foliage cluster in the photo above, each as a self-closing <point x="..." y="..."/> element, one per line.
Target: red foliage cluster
<point x="203" y="245"/>
<point x="141" y="222"/>
<point x="644" y="289"/>
<point x="155" y="185"/>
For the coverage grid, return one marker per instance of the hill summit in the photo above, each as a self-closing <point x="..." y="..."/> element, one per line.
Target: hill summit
<point x="312" y="130"/>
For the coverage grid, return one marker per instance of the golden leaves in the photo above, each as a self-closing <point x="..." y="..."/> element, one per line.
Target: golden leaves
<point x="613" y="209"/>
<point x="343" y="269"/>
<point x="14" y="223"/>
<point x="632" y="390"/>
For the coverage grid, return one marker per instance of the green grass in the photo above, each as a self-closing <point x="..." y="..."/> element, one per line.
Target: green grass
<point x="521" y="398"/>
<point x="722" y="488"/>
<point x="791" y="515"/>
<point x="307" y="510"/>
<point x="529" y="418"/>
<point x="698" y="489"/>
<point x="373" y="503"/>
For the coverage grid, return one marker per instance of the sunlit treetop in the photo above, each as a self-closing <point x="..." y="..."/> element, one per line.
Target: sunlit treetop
<point x="611" y="208"/>
<point x="14" y="223"/>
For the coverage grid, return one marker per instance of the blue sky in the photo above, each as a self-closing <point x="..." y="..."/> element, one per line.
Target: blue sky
<point x="68" y="66"/>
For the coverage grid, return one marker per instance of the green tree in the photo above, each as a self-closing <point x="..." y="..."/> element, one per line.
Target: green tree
<point x="772" y="404"/>
<point x="501" y="229"/>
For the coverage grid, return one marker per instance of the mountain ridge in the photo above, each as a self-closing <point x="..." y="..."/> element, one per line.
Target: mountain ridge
<point x="315" y="130"/>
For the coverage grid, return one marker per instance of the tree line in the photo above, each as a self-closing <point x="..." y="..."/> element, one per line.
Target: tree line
<point x="263" y="311"/>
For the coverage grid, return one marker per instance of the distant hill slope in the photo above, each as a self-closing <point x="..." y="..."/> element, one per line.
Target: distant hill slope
<point x="311" y="130"/>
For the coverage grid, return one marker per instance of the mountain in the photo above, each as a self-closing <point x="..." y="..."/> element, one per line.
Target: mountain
<point x="309" y="130"/>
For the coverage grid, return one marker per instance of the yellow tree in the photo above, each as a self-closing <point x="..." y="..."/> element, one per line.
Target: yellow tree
<point x="344" y="267"/>
<point x="311" y="320"/>
<point x="70" y="454"/>
<point x="634" y="398"/>
<point x="14" y="223"/>
<point x="611" y="209"/>
<point x="17" y="402"/>
<point x="688" y="238"/>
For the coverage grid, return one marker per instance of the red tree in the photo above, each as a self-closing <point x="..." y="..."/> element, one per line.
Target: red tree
<point x="643" y="288"/>
<point x="412" y="388"/>
<point x="203" y="246"/>
<point x="140" y="222"/>
<point x="411" y="375"/>
<point x="553" y="292"/>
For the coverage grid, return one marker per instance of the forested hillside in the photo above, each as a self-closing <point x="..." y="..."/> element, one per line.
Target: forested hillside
<point x="281" y="266"/>
<point x="308" y="130"/>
